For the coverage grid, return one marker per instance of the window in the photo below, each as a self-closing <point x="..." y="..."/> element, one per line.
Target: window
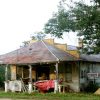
<point x="83" y="73"/>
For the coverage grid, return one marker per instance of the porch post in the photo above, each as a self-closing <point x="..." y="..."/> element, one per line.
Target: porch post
<point x="6" y="78"/>
<point x="56" y="81"/>
<point x="22" y="72"/>
<point x="79" y="74"/>
<point x="30" y="79"/>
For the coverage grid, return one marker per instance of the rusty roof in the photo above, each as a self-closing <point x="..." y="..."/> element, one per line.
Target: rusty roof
<point x="38" y="52"/>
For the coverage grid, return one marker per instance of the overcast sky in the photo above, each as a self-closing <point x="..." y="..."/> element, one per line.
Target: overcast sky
<point x="20" y="18"/>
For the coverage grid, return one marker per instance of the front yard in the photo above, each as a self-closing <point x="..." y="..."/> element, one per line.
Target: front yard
<point x="49" y="96"/>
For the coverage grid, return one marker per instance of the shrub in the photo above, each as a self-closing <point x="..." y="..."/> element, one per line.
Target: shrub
<point x="91" y="87"/>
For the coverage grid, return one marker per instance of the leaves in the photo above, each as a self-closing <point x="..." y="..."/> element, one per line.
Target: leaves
<point x="82" y="18"/>
<point x="38" y="36"/>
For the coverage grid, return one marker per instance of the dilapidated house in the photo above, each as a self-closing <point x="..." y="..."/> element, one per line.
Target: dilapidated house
<point x="43" y="60"/>
<point x="40" y="61"/>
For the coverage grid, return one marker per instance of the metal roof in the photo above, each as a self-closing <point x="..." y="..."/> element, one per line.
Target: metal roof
<point x="38" y="52"/>
<point x="91" y="58"/>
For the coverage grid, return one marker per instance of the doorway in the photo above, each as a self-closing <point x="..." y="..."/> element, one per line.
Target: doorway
<point x="42" y="73"/>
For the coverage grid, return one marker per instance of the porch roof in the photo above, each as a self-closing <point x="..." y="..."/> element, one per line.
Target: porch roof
<point x="38" y="52"/>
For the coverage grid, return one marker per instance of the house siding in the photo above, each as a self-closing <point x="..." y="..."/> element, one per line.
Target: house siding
<point x="89" y="67"/>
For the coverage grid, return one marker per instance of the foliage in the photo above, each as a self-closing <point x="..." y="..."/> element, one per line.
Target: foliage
<point x="91" y="87"/>
<point x="57" y="24"/>
<point x="38" y="36"/>
<point x="35" y="36"/>
<point x="2" y="75"/>
<point x="82" y="18"/>
<point x="25" y="43"/>
<point x="97" y="2"/>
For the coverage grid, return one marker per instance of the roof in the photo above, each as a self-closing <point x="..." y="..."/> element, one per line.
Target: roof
<point x="91" y="58"/>
<point x="71" y="47"/>
<point x="38" y="52"/>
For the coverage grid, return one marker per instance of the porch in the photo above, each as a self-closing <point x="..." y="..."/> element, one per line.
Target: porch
<point x="57" y="77"/>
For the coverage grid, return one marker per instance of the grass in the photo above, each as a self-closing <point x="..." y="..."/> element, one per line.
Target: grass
<point x="49" y="96"/>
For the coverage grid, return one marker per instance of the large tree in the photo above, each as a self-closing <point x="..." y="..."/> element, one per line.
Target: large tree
<point x="82" y="18"/>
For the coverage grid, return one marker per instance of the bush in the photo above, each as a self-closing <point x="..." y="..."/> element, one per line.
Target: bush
<point x="91" y="87"/>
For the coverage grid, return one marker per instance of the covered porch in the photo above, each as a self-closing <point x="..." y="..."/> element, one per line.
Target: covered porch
<point x="23" y="78"/>
<point x="64" y="77"/>
<point x="41" y="61"/>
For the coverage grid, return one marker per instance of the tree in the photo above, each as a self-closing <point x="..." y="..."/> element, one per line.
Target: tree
<point x="38" y="36"/>
<point x="97" y="2"/>
<point x="82" y="18"/>
<point x="35" y="36"/>
<point x="25" y="43"/>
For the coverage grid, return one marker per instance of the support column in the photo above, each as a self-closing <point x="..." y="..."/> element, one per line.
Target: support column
<point x="56" y="81"/>
<point x="30" y="79"/>
<point x="6" y="78"/>
<point x="22" y="72"/>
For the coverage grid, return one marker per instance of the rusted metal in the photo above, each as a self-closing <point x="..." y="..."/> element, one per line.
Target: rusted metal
<point x="38" y="52"/>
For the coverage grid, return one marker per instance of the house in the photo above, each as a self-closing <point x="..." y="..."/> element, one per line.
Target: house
<point x="89" y="70"/>
<point x="42" y="60"/>
<point x="45" y="60"/>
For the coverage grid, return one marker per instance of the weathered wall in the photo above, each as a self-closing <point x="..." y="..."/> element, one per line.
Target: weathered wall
<point x="74" y="53"/>
<point x="69" y="73"/>
<point x="50" y="41"/>
<point x="61" y="46"/>
<point x="89" y="67"/>
<point x="83" y="74"/>
<point x="19" y="71"/>
<point x="34" y="73"/>
<point x="75" y="77"/>
<point x="72" y="76"/>
<point x="96" y="69"/>
<point x="52" y="73"/>
<point x="13" y="72"/>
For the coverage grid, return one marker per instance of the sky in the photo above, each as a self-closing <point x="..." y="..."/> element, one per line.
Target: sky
<point x="21" y="18"/>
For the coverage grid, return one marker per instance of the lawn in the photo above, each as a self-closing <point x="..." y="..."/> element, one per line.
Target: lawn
<point x="49" y="96"/>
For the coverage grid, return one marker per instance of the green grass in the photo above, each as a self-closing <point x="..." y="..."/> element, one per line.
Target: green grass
<point x="49" y="96"/>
